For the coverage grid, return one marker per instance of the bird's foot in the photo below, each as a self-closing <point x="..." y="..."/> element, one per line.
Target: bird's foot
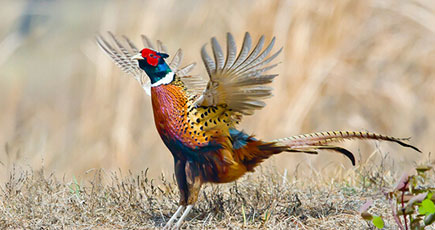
<point x="185" y="213"/>
<point x="177" y="226"/>
<point x="174" y="217"/>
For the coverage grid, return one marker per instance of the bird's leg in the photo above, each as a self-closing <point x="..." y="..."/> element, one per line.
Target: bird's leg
<point x="176" y="214"/>
<point x="189" y="183"/>
<point x="193" y="180"/>
<point x="186" y="212"/>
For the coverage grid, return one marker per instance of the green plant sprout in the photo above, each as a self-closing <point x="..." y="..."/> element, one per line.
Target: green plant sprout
<point x="412" y="204"/>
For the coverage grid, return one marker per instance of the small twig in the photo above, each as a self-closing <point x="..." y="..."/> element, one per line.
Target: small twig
<point x="403" y="205"/>
<point x="394" y="209"/>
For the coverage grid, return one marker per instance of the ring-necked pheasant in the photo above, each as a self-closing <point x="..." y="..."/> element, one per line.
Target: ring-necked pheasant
<point x="197" y="120"/>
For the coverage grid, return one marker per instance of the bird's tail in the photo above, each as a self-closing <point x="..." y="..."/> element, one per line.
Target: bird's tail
<point x="311" y="142"/>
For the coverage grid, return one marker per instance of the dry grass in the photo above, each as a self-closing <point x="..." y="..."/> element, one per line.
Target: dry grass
<point x="265" y="200"/>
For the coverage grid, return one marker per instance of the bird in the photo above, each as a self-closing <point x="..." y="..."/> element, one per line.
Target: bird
<point x="198" y="119"/>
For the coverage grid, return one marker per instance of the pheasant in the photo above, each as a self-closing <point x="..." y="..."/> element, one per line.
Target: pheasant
<point x="198" y="120"/>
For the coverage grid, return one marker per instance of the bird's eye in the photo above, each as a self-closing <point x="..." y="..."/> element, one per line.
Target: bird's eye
<point x="151" y="55"/>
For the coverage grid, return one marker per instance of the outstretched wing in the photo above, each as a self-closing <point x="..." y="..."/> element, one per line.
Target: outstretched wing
<point x="238" y="81"/>
<point x="121" y="54"/>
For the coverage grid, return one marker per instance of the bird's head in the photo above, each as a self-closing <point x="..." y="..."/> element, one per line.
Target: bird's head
<point x="153" y="63"/>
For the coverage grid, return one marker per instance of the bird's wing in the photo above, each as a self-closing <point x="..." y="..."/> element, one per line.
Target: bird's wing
<point x="238" y="80"/>
<point x="122" y="51"/>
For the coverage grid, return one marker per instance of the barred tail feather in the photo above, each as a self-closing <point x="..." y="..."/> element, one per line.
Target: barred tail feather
<point x="322" y="140"/>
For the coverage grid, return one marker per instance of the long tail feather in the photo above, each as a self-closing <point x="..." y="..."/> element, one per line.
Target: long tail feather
<point x="312" y="150"/>
<point x="341" y="150"/>
<point x="322" y="140"/>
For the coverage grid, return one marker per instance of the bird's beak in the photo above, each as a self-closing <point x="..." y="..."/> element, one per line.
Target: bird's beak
<point x="137" y="57"/>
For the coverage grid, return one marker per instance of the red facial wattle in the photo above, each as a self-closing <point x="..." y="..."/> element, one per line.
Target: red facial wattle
<point x="151" y="56"/>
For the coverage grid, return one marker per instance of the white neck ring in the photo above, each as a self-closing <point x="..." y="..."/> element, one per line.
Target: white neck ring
<point x="168" y="78"/>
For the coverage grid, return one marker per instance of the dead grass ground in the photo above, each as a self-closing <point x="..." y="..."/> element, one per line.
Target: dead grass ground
<point x="262" y="200"/>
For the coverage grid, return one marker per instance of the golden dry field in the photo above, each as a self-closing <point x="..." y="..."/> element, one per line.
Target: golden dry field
<point x="346" y="65"/>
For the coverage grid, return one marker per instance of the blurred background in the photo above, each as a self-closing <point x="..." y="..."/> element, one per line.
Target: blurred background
<point x="347" y="65"/>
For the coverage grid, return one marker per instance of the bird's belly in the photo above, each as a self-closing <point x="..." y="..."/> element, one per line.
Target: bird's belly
<point x="233" y="173"/>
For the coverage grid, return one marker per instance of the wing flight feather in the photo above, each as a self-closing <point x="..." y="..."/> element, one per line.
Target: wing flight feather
<point x="238" y="81"/>
<point x="121" y="54"/>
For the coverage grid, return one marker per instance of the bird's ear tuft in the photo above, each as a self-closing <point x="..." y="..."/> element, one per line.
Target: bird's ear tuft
<point x="163" y="55"/>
